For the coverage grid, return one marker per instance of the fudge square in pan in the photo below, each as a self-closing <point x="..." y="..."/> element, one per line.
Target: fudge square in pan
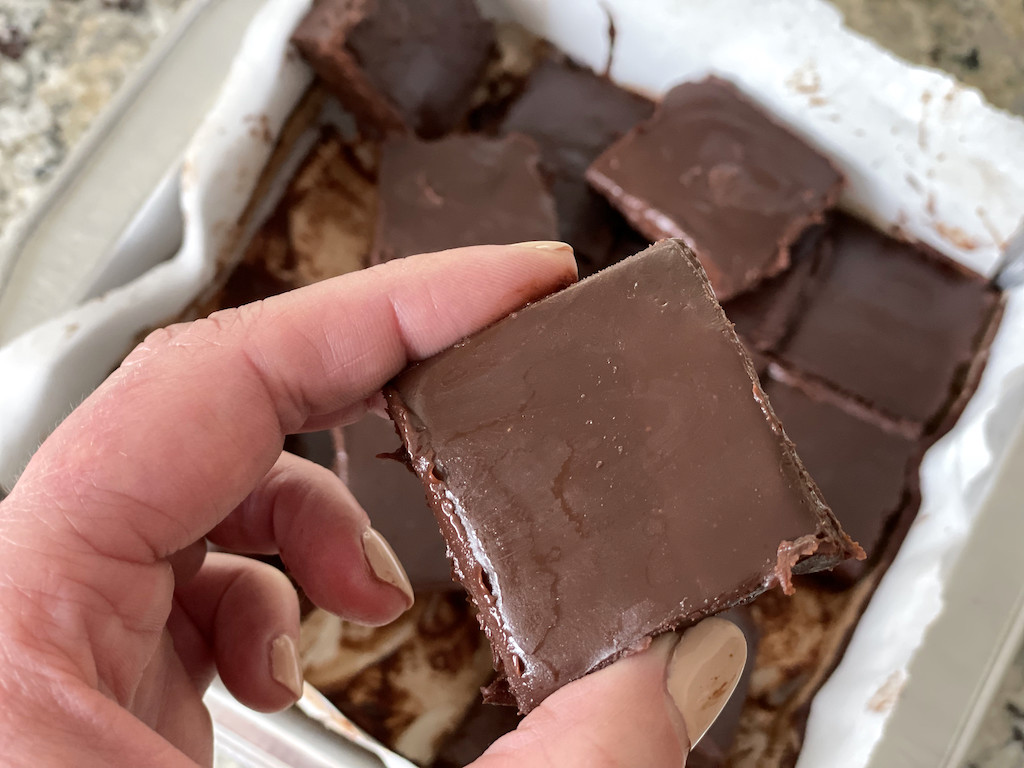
<point x="605" y="466"/>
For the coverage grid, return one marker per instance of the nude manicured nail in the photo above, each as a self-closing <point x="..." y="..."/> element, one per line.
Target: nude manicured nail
<point x="545" y="245"/>
<point x="703" y="672"/>
<point x="284" y="664"/>
<point x="384" y="563"/>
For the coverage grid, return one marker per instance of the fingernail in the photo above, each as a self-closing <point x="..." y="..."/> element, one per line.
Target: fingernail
<point x="703" y="672"/>
<point x="384" y="563"/>
<point x="545" y="245"/>
<point x="284" y="664"/>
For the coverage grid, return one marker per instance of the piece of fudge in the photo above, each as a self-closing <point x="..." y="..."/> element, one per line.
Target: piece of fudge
<point x="399" y="65"/>
<point x="895" y="325"/>
<point x="764" y="316"/>
<point x="714" y="170"/>
<point x="574" y="115"/>
<point x="862" y="469"/>
<point x="370" y="462"/>
<point x="605" y="466"/>
<point x="462" y="190"/>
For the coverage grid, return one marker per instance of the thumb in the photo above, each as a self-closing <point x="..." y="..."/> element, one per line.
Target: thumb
<point x="642" y="710"/>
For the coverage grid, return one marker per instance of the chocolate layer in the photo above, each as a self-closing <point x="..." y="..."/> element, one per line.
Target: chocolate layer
<point x="399" y="65"/>
<point x="463" y="190"/>
<point x="893" y="324"/>
<point x="393" y="498"/>
<point x="604" y="467"/>
<point x="714" y="170"/>
<point x="574" y="115"/>
<point x="861" y="469"/>
<point x="764" y="316"/>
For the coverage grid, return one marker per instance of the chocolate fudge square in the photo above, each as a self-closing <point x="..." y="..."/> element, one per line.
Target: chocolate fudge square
<point x="893" y="324"/>
<point x="393" y="498"/>
<point x="605" y="466"/>
<point x="399" y="65"/>
<point x="714" y="170"/>
<point x="462" y="190"/>
<point x="764" y="316"/>
<point x="574" y="115"/>
<point x="862" y="469"/>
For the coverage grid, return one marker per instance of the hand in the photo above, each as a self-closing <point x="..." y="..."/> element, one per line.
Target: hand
<point x="113" y="618"/>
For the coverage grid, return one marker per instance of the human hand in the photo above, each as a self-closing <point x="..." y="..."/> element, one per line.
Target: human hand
<point x="113" y="618"/>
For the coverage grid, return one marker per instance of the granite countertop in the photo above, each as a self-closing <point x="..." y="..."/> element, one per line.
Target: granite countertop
<point x="61" y="61"/>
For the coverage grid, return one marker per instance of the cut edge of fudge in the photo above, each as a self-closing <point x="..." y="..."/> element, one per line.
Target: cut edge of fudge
<point x="818" y="388"/>
<point x="807" y="553"/>
<point x="317" y="37"/>
<point x="765" y="314"/>
<point x="968" y="376"/>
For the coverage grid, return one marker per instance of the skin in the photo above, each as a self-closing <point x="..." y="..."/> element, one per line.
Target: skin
<point x="113" y="617"/>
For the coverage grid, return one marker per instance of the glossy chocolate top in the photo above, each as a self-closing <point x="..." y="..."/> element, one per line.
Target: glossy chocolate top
<point x="604" y="466"/>
<point x="393" y="498"/>
<point x="861" y="469"/>
<point x="895" y="325"/>
<point x="711" y="168"/>
<point x="463" y="190"/>
<point x="574" y="115"/>
<point x="399" y="65"/>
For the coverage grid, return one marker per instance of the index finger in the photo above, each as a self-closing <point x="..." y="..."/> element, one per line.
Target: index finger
<point x="196" y="415"/>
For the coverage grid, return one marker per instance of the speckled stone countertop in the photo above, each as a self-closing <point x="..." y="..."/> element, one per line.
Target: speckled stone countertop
<point x="62" y="60"/>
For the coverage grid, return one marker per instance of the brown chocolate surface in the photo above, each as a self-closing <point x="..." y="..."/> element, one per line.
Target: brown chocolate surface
<point x="711" y="168"/>
<point x="399" y="65"/>
<point x="604" y="466"/>
<point x="862" y="470"/>
<point x="764" y="316"/>
<point x="463" y="190"/>
<point x="393" y="498"/>
<point x="893" y="324"/>
<point x="574" y="115"/>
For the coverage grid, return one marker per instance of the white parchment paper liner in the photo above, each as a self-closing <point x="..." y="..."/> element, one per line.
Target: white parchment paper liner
<point x="920" y="151"/>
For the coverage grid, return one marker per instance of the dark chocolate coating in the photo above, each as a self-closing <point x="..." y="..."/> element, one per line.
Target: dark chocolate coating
<point x="399" y="64"/>
<point x="862" y="470"/>
<point x="604" y="466"/>
<point x="463" y="190"/>
<point x="574" y="115"/>
<point x="894" y="324"/>
<point x="764" y="316"/>
<point x="713" y="169"/>
<point x="393" y="498"/>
